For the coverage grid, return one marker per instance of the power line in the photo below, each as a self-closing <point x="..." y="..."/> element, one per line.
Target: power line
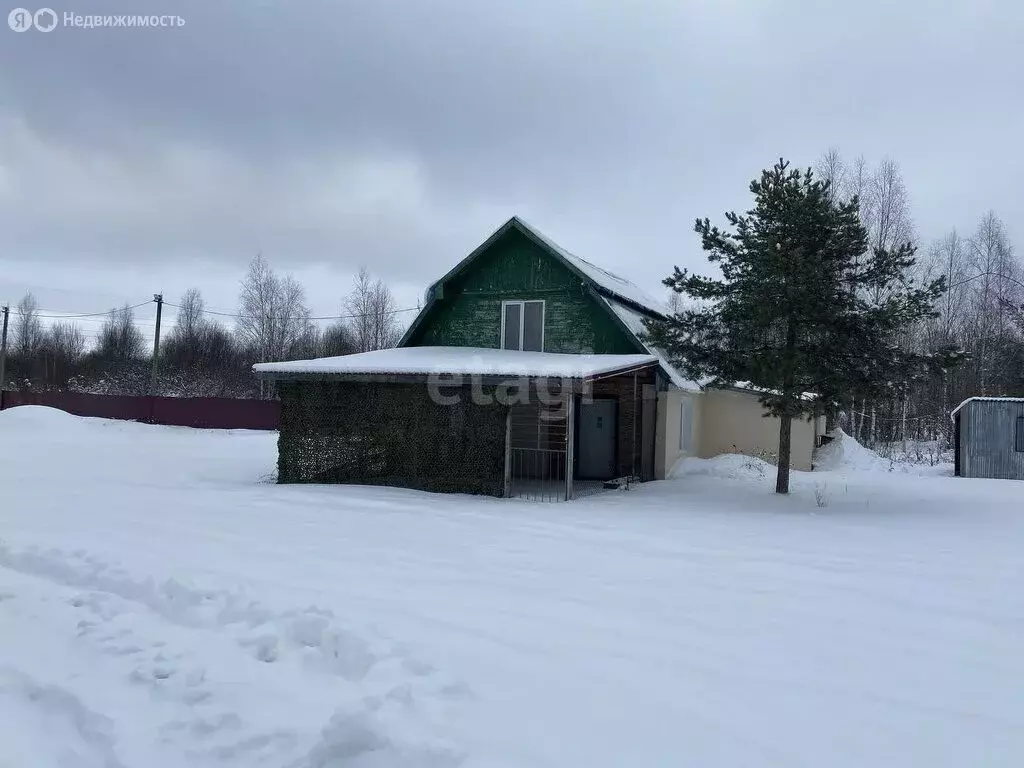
<point x="323" y="317"/>
<point x="102" y="317"/>
<point x="95" y="319"/>
<point x="980" y="275"/>
<point x="56" y="314"/>
<point x="91" y="314"/>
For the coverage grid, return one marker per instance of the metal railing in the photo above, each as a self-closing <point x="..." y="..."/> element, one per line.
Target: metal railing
<point x="538" y="474"/>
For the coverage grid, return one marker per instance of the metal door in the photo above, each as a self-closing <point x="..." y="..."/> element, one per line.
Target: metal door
<point x="597" y="430"/>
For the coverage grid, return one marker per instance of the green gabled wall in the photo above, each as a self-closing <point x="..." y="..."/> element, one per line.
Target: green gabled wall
<point x="468" y="314"/>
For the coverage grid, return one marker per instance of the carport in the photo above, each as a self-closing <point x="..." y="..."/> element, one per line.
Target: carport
<point x="466" y="420"/>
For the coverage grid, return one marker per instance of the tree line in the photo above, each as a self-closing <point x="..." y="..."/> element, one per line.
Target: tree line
<point x="203" y="353"/>
<point x="981" y="312"/>
<point x="824" y="305"/>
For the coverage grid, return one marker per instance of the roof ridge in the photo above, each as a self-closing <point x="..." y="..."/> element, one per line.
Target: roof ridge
<point x="639" y="297"/>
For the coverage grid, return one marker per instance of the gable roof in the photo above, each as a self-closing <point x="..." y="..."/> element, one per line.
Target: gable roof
<point x="626" y="302"/>
<point x="607" y="283"/>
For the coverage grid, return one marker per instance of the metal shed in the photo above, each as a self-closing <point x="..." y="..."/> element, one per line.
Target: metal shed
<point x="989" y="437"/>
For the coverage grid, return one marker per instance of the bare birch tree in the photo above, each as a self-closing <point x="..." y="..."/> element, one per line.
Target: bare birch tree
<point x="995" y="289"/>
<point x="28" y="328"/>
<point x="950" y="253"/>
<point x="885" y="213"/>
<point x="62" y="349"/>
<point x="832" y="168"/>
<point x="372" y="311"/>
<point x="66" y="340"/>
<point x="889" y="203"/>
<point x="120" y="340"/>
<point x="273" y="314"/>
<point x="190" y="319"/>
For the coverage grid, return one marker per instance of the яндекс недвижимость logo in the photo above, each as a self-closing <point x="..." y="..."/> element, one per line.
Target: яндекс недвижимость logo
<point x="47" y="19"/>
<point x="22" y="19"/>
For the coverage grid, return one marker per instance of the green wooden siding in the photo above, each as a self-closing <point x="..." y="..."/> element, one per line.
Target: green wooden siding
<point x="469" y="312"/>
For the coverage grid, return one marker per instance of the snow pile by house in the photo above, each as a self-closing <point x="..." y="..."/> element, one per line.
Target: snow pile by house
<point x="729" y="466"/>
<point x="844" y="454"/>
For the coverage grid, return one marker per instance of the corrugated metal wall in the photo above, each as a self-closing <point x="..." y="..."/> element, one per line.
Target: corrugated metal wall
<point x="988" y="439"/>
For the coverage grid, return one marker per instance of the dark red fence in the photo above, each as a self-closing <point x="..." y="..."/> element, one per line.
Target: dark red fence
<point x="203" y="412"/>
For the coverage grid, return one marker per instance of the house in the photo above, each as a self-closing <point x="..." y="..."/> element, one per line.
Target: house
<point x="525" y="371"/>
<point x="988" y="438"/>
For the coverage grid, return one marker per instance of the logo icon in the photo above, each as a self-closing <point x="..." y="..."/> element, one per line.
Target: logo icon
<point x="45" y="19"/>
<point x="20" y="20"/>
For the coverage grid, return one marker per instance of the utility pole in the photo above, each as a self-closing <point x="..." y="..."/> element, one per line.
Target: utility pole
<point x="3" y="354"/>
<point x="159" y="299"/>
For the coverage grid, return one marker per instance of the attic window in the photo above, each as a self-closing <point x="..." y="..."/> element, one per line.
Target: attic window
<point x="522" y="325"/>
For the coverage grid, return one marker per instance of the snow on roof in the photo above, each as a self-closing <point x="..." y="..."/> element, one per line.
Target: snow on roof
<point x="986" y="400"/>
<point x="461" y="360"/>
<point x="606" y="280"/>
<point x="634" y="321"/>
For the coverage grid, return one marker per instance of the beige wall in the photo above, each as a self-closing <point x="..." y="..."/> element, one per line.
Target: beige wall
<point x="667" y="451"/>
<point x="734" y="422"/>
<point x="727" y="421"/>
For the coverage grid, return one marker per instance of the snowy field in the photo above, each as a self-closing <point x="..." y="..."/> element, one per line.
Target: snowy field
<point x="163" y="604"/>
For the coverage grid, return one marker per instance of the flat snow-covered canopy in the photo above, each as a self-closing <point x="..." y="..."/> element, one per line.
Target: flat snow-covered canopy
<point x="986" y="400"/>
<point x="469" y="361"/>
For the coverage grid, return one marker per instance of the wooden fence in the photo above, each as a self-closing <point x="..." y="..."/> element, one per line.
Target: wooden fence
<point x="201" y="412"/>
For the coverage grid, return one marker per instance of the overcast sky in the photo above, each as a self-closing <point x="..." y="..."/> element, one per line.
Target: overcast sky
<point x="399" y="134"/>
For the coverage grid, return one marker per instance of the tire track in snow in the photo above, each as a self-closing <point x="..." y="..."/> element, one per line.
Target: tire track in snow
<point x="345" y="653"/>
<point x="394" y="707"/>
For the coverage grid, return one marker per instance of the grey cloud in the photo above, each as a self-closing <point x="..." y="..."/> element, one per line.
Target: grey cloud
<point x="398" y="134"/>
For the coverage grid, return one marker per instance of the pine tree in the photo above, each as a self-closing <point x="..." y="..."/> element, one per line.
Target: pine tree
<point x="798" y="314"/>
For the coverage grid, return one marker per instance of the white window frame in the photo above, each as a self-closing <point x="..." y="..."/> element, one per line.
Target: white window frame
<point x="685" y="425"/>
<point x="522" y="320"/>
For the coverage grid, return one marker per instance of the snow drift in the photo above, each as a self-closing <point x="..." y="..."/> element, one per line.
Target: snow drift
<point x="162" y="608"/>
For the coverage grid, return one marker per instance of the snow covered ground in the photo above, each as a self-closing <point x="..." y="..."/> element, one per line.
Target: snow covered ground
<point x="163" y="604"/>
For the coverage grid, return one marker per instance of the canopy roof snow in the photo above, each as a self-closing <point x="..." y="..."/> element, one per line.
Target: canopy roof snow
<point x="466" y="361"/>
